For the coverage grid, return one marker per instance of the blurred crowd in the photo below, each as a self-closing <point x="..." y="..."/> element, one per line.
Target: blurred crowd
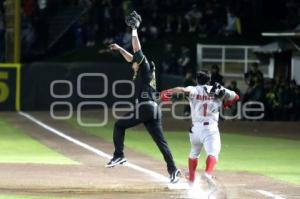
<point x="105" y="19"/>
<point x="161" y="18"/>
<point x="176" y="62"/>
<point x="282" y="100"/>
<point x="204" y="18"/>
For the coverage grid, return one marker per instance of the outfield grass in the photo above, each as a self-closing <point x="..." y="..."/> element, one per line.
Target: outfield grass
<point x="273" y="157"/>
<point x="17" y="147"/>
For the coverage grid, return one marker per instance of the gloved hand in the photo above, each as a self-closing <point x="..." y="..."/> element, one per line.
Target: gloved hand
<point x="133" y="20"/>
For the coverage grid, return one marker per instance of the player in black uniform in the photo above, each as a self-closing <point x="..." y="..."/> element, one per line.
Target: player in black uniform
<point x="146" y="110"/>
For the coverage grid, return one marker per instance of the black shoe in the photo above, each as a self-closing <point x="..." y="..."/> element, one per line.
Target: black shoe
<point x="175" y="176"/>
<point x="115" y="161"/>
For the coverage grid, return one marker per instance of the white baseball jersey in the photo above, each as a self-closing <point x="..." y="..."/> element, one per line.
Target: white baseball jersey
<point x="205" y="108"/>
<point x="205" y="116"/>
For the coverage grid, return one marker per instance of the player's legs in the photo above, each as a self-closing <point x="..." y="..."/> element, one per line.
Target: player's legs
<point x="196" y="147"/>
<point x="153" y="125"/>
<point x="212" y="146"/>
<point x="129" y="120"/>
<point x="154" y="128"/>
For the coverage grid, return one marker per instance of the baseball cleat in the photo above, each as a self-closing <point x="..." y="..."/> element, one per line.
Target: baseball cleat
<point x="209" y="180"/>
<point x="187" y="177"/>
<point x="115" y="161"/>
<point x="175" y="176"/>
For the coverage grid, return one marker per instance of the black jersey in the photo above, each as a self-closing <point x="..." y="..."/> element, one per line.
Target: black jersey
<point x="144" y="79"/>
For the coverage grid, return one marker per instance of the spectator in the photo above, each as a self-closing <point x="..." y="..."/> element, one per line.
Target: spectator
<point x="29" y="8"/>
<point x="212" y="17"/>
<point x="253" y="74"/>
<point x="2" y="36"/>
<point x="184" y="60"/>
<point x="233" y="26"/>
<point x="150" y="30"/>
<point x="106" y="18"/>
<point x="272" y="104"/>
<point x="233" y="87"/>
<point x="42" y="24"/>
<point x="81" y="33"/>
<point x="91" y="35"/>
<point x="92" y="26"/>
<point x="173" y="16"/>
<point x="28" y="39"/>
<point x="215" y="75"/>
<point x="295" y="100"/>
<point x="127" y="6"/>
<point x="285" y="101"/>
<point x="168" y="62"/>
<point x="193" y="18"/>
<point x="169" y="23"/>
<point x="255" y="93"/>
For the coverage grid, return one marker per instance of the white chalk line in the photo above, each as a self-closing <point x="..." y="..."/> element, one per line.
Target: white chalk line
<point x="269" y="194"/>
<point x="98" y="152"/>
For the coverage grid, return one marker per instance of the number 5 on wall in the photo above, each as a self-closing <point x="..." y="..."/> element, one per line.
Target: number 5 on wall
<point x="10" y="90"/>
<point x="4" y="89"/>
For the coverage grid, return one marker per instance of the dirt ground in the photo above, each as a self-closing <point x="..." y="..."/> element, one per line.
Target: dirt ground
<point x="91" y="179"/>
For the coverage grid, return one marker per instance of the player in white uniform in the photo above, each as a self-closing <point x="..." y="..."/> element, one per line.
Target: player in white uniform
<point x="205" y="102"/>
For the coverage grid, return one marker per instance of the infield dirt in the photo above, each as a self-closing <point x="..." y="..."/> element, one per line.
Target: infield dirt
<point x="91" y="179"/>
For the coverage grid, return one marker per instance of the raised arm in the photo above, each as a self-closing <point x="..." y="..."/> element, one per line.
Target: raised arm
<point x="167" y="94"/>
<point x="127" y="56"/>
<point x="133" y="20"/>
<point x="136" y="45"/>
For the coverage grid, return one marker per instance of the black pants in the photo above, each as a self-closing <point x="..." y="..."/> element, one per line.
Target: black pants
<point x="148" y="113"/>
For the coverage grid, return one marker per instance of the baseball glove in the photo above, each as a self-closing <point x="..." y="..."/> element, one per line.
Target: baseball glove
<point x="133" y="20"/>
<point x="217" y="91"/>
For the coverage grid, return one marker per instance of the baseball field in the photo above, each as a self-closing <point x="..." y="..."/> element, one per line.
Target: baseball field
<point x="42" y="158"/>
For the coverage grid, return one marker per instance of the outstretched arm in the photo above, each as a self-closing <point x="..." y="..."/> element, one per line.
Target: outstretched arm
<point x="127" y="56"/>
<point x="182" y="90"/>
<point x="167" y="94"/>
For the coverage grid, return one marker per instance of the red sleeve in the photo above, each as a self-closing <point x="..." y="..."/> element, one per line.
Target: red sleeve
<point x="165" y="95"/>
<point x="229" y="103"/>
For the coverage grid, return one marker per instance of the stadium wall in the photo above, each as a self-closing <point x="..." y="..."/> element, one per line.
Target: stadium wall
<point x="37" y="79"/>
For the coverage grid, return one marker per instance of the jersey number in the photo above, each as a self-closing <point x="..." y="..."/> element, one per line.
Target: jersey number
<point x="204" y="110"/>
